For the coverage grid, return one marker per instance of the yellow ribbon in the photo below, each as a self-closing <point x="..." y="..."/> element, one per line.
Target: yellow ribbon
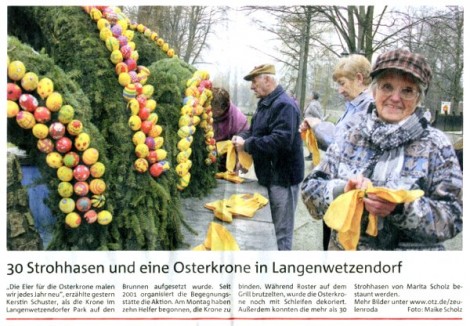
<point x="308" y="136"/>
<point x="218" y="238"/>
<point x="239" y="205"/>
<point x="244" y="158"/>
<point x="345" y="212"/>
<point x="229" y="176"/>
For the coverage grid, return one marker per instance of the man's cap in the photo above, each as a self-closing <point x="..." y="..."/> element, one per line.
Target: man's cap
<point x="259" y="70"/>
<point x="404" y="60"/>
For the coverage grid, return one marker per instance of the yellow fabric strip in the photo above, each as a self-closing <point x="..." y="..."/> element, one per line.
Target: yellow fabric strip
<point x="308" y="136"/>
<point x="345" y="212"/>
<point x="244" y="158"/>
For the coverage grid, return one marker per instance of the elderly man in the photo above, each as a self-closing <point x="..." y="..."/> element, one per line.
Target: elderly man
<point x="274" y="142"/>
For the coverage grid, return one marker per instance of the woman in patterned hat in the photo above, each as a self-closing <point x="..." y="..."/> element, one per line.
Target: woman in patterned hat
<point x="394" y="147"/>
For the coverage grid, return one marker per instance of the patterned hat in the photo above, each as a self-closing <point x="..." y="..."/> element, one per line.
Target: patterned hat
<point x="259" y="70"/>
<point x="404" y="60"/>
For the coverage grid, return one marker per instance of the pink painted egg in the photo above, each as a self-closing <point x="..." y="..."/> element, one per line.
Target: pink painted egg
<point x="56" y="130"/>
<point x="42" y="114"/>
<point x="81" y="188"/>
<point x="63" y="145"/>
<point x="13" y="92"/>
<point x="81" y="172"/>
<point x="28" y="102"/>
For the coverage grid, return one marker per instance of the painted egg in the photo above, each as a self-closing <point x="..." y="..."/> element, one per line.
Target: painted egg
<point x="126" y="51"/>
<point x="81" y="172"/>
<point x="97" y="186"/>
<point x="112" y="43"/>
<point x="40" y="131"/>
<point x="131" y="44"/>
<point x="42" y="114"/>
<point x="182" y="168"/>
<point x="184" y="143"/>
<point x="105" y="33"/>
<point x="183" y="156"/>
<point x="133" y="106"/>
<point x="82" y="141"/>
<point x="12" y="109"/>
<point x="154" y="36"/>
<point x="103" y="23"/>
<point x="57" y="130"/>
<point x="16" y="70"/>
<point x="97" y="170"/>
<point x="142" y="78"/>
<point x="28" y="102"/>
<point x="75" y="127"/>
<point x="153" y="117"/>
<point x="165" y="165"/>
<point x="122" y="40"/>
<point x="134" y="122"/>
<point x="45" y="145"/>
<point x="170" y="53"/>
<point x="135" y="55"/>
<point x="129" y="92"/>
<point x="73" y="220"/>
<point x="116" y="29"/>
<point x="150" y="142"/>
<point x="160" y="41"/>
<point x="131" y="64"/>
<point x="64" y="173"/>
<point x="71" y="159"/>
<point x="141" y="150"/>
<point x="158" y="142"/>
<point x="67" y="205"/>
<point x="54" y="160"/>
<point x="124" y="79"/>
<point x="13" y="92"/>
<point x="66" y="114"/>
<point x="138" y="138"/>
<point x="141" y="165"/>
<point x="148" y="90"/>
<point x="135" y="80"/>
<point x="81" y="188"/>
<point x="152" y="157"/>
<point x="186" y="131"/>
<point x="116" y="56"/>
<point x="95" y="14"/>
<point x="183" y="182"/>
<point x="156" y="170"/>
<point x="123" y="23"/>
<point x="45" y="87"/>
<point x="90" y="156"/>
<point x="144" y="113"/>
<point x="146" y="126"/>
<point x="91" y="216"/>
<point x="98" y="201"/>
<point x="83" y="204"/>
<point x="104" y="217"/>
<point x="54" y="101"/>
<point x="161" y="154"/>
<point x="151" y="104"/>
<point x="63" y="145"/>
<point x="141" y="99"/>
<point x="120" y="68"/>
<point x="65" y="189"/>
<point x="143" y="70"/>
<point x="25" y="119"/>
<point x="129" y="34"/>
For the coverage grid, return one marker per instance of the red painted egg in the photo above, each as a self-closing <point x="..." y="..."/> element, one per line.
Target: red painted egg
<point x="28" y="102"/>
<point x="81" y="172"/>
<point x="13" y="92"/>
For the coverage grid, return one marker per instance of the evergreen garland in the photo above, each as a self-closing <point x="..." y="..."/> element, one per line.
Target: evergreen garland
<point x="146" y="211"/>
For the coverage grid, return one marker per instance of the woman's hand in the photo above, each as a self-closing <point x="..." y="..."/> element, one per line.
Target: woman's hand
<point x="358" y="182"/>
<point x="378" y="206"/>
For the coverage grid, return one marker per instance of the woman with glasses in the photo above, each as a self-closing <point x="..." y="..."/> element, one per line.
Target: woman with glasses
<point x="394" y="147"/>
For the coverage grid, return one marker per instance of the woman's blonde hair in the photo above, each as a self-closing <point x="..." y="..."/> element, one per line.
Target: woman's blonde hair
<point x="351" y="65"/>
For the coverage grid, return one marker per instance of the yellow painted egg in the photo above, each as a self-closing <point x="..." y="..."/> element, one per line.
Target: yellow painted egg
<point x="159" y="142"/>
<point x="141" y="150"/>
<point x="90" y="156"/>
<point x="97" y="186"/>
<point x="45" y="145"/>
<point x="75" y="127"/>
<point x="184" y="143"/>
<point x="134" y="122"/>
<point x="54" y="160"/>
<point x="112" y="43"/>
<point x="25" y="119"/>
<point x="45" y="87"/>
<point x="124" y="79"/>
<point x="147" y="90"/>
<point x="155" y="131"/>
<point x="16" y="70"/>
<point x="97" y="170"/>
<point x="103" y="23"/>
<point x="65" y="173"/>
<point x="73" y="220"/>
<point x="170" y="53"/>
<point x="182" y="168"/>
<point x="66" y="114"/>
<point x="138" y="138"/>
<point x="183" y="182"/>
<point x="141" y="165"/>
<point x="67" y="205"/>
<point x="104" y="217"/>
<point x="129" y="34"/>
<point x="105" y="34"/>
<point x="29" y="81"/>
<point x="82" y="141"/>
<point x="54" y="101"/>
<point x="153" y="117"/>
<point x="183" y="156"/>
<point x="133" y="106"/>
<point x="65" y="189"/>
<point x="161" y="154"/>
<point x="151" y="104"/>
<point x="95" y="14"/>
<point x="135" y="55"/>
<point x="12" y="109"/>
<point x="40" y="130"/>
<point x="186" y="131"/>
<point x="165" y="47"/>
<point x="116" y="56"/>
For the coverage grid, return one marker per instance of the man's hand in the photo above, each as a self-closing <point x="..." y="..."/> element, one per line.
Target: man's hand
<point x="238" y="142"/>
<point x="378" y="206"/>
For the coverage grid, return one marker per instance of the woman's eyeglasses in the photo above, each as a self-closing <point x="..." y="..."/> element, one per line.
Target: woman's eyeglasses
<point x="406" y="93"/>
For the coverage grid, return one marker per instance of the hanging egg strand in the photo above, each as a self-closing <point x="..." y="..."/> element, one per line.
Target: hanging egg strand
<point x="59" y="136"/>
<point x="113" y="27"/>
